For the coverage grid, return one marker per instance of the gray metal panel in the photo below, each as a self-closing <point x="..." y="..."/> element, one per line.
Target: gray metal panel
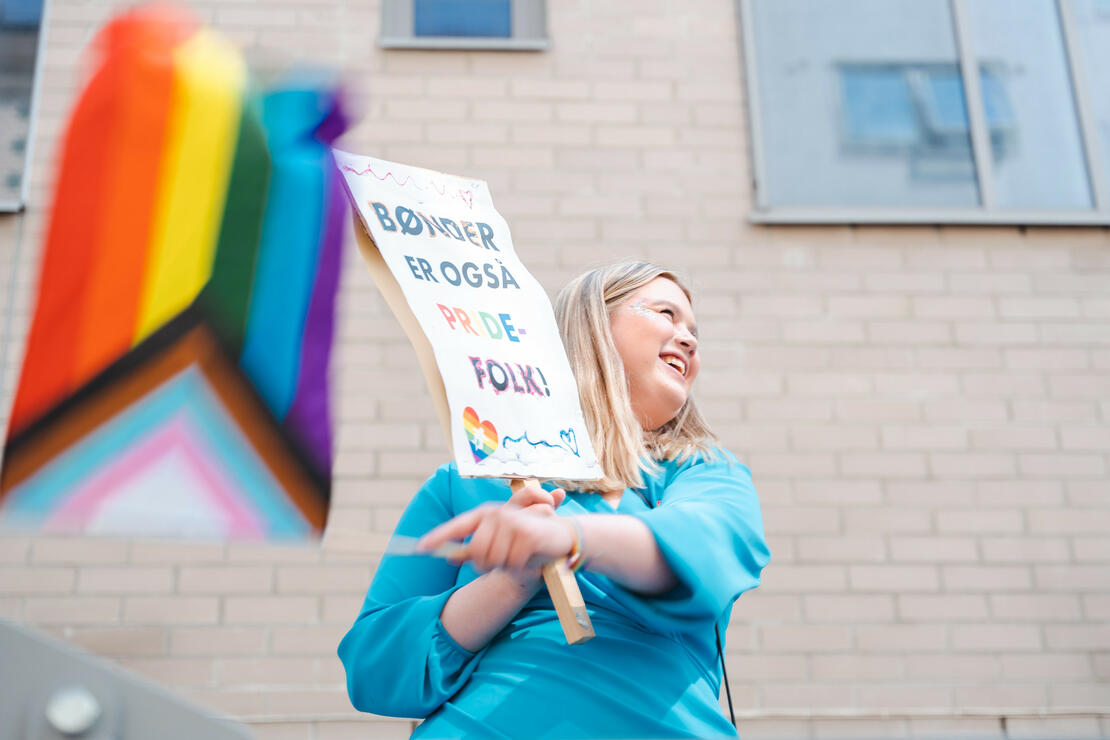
<point x="529" y="18"/>
<point x="1080" y="87"/>
<point x="755" y="127"/>
<point x="940" y="217"/>
<point x="33" y="668"/>
<point x="973" y="97"/>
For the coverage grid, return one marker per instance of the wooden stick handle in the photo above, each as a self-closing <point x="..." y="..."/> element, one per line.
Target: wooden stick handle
<point x="562" y="585"/>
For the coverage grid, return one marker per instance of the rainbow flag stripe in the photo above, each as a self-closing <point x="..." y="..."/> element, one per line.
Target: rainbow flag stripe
<point x="185" y="191"/>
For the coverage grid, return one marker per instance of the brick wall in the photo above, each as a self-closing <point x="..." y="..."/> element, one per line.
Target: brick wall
<point x="925" y="409"/>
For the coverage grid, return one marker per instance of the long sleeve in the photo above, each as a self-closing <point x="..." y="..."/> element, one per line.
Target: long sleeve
<point x="709" y="528"/>
<point x="399" y="659"/>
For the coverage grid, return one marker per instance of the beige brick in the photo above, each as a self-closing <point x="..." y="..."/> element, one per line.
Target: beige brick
<point x="1002" y="696"/>
<point x="271" y="610"/>
<point x="893" y="578"/>
<point x="856" y="667"/>
<point x="1053" y="411"/>
<point x="1038" y="308"/>
<point x="261" y="672"/>
<point x="596" y="112"/>
<point x="761" y="605"/>
<point x="894" y="638"/>
<point x="805" y="696"/>
<point x="1069" y="521"/>
<point x="218" y="641"/>
<point x="965" y="410"/>
<point x="930" y="493"/>
<point x="798" y="519"/>
<point x="972" y="465"/>
<point x="837" y="491"/>
<point x="952" y="307"/>
<point x="321" y="640"/>
<point x="947" y="666"/>
<point x="330" y="579"/>
<point x="171" y="671"/>
<point x="986" y="578"/>
<point x="39" y="580"/>
<point x="755" y="669"/>
<point x="78" y="551"/>
<point x="799" y="464"/>
<point x="1072" y="577"/>
<point x="1025" y="549"/>
<point x="1096" y="439"/>
<point x="986" y="728"/>
<point x="171" y="610"/>
<point x="13" y="549"/>
<point x="884" y="465"/>
<point x="931" y="437"/>
<point x="1018" y="493"/>
<point x="853" y="608"/>
<point x="822" y="332"/>
<point x="918" y="385"/>
<point x="885" y="519"/>
<point x="933" y="549"/>
<point x="1014" y="438"/>
<point x="380" y="728"/>
<point x="944" y="607"/>
<point x="980" y="521"/>
<point x="788" y="410"/>
<point x="72" y="610"/>
<point x="1062" y="465"/>
<point x="906" y="697"/>
<point x="905" y="282"/>
<point x="124" y="580"/>
<point x="803" y="579"/>
<point x="856" y="548"/>
<point x="841" y="729"/>
<point x="880" y="410"/>
<point x="827" y="384"/>
<point x="993" y="637"/>
<point x="120" y="642"/>
<point x="1092" y="696"/>
<point x="1092" y="549"/>
<point x="1044" y="359"/>
<point x="176" y="553"/>
<point x="777" y="306"/>
<point x="1049" y="666"/>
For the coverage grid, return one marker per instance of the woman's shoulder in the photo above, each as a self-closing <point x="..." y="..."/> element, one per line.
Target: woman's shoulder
<point x="446" y="483"/>
<point x="715" y="459"/>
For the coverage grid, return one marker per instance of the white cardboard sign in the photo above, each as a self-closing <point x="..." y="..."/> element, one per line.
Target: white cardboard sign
<point x="513" y="403"/>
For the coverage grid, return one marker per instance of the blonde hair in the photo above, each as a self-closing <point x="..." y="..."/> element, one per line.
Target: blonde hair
<point x="623" y="448"/>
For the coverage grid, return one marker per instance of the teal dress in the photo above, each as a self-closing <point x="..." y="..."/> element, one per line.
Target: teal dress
<point x="651" y="671"/>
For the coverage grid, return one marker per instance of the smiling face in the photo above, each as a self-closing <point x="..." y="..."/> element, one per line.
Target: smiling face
<point x="656" y="336"/>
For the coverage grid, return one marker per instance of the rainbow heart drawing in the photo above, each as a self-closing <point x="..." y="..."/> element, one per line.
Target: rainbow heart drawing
<point x="481" y="435"/>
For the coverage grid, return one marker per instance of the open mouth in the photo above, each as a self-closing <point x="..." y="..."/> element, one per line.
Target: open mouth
<point x="676" y="362"/>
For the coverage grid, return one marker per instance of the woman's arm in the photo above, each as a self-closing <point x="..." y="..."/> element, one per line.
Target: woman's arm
<point x="513" y="538"/>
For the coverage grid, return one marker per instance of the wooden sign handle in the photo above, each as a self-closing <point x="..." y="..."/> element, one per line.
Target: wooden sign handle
<point x="562" y="585"/>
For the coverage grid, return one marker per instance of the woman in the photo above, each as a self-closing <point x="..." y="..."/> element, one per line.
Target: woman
<point x="668" y="539"/>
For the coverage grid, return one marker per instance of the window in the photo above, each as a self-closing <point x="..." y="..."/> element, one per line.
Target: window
<point x="928" y="111"/>
<point x="19" y="54"/>
<point x="464" y="24"/>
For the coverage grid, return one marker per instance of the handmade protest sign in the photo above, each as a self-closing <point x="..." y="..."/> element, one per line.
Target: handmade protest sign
<point x="484" y="331"/>
<point x="512" y="401"/>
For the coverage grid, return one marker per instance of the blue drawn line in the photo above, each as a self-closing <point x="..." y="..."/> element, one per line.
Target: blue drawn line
<point x="541" y="443"/>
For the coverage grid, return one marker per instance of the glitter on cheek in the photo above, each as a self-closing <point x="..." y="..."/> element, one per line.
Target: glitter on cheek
<point x="641" y="308"/>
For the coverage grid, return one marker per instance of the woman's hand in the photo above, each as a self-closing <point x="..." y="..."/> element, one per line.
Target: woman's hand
<point x="519" y="535"/>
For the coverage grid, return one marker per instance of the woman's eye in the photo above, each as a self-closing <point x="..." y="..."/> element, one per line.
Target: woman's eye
<point x="667" y="312"/>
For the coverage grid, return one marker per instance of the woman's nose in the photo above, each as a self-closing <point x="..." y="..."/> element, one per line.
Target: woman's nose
<point x="687" y="339"/>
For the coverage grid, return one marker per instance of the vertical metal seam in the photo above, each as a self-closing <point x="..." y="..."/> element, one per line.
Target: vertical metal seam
<point x="755" y="128"/>
<point x="973" y="97"/>
<point x="1087" y="126"/>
